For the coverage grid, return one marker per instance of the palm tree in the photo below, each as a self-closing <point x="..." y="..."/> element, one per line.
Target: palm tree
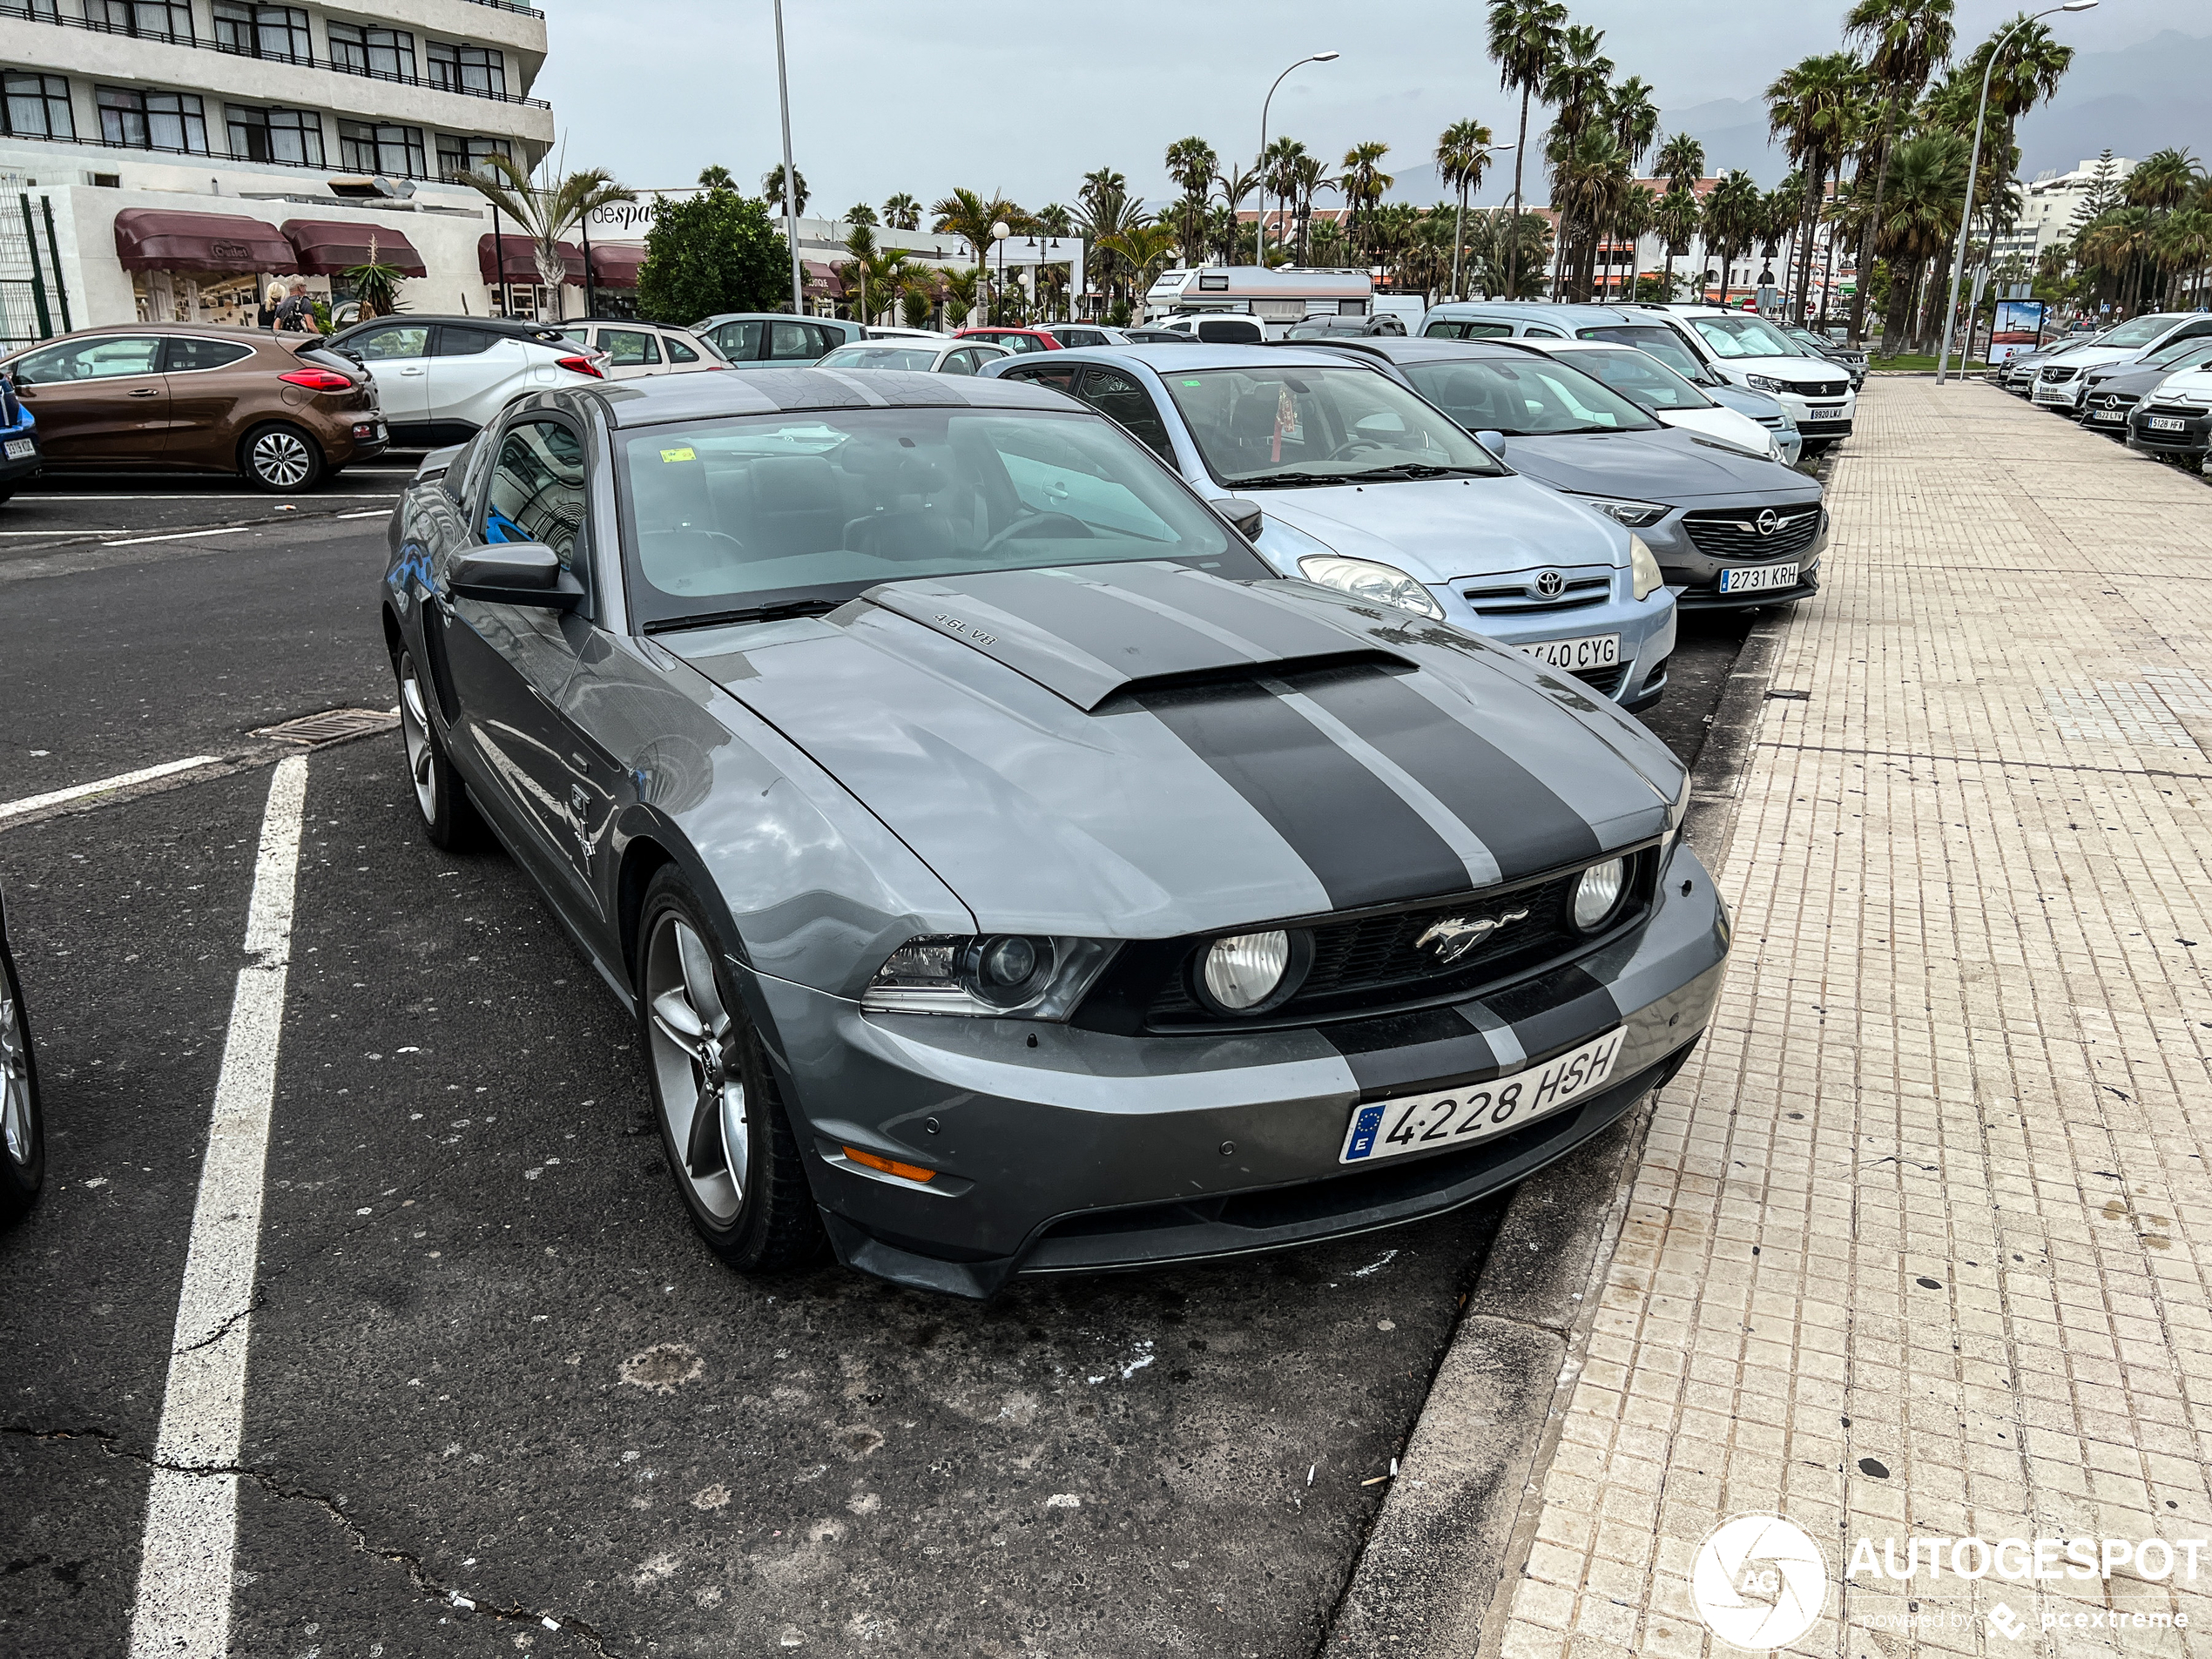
<point x="1098" y="185"/>
<point x="1812" y="108"/>
<point x="1589" y="181"/>
<point x="1191" y="164"/>
<point x="1055" y="219"/>
<point x="902" y="212"/>
<point x="1731" y="220"/>
<point x="546" y="212"/>
<point x="1462" y="157"/>
<point x="1362" y="183"/>
<point x="861" y="213"/>
<point x="772" y="189"/>
<point x="964" y="214"/>
<point x="716" y="177"/>
<point x="1681" y="160"/>
<point x="1498" y="255"/>
<point x="1524" y="37"/>
<point x="1908" y="41"/>
<point x="1279" y="176"/>
<point x="1634" y="120"/>
<point x="2183" y="242"/>
<point x="1308" y="179"/>
<point x="2163" y="181"/>
<point x="1147" y="248"/>
<point x="1577" y="86"/>
<point x="1917" y="219"/>
<point x="960" y="293"/>
<point x="1676" y="217"/>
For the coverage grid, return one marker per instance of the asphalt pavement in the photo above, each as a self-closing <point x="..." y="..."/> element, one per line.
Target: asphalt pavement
<point x="497" y="1397"/>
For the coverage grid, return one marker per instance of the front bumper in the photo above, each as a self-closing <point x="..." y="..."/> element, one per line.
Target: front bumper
<point x="1093" y="1150"/>
<point x="1813" y="426"/>
<point x="2064" y="395"/>
<point x="2195" y="439"/>
<point x="1646" y="627"/>
<point x="2113" y="421"/>
<point x="1695" y="575"/>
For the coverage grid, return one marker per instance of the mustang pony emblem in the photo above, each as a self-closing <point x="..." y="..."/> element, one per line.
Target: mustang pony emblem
<point x="1455" y="936"/>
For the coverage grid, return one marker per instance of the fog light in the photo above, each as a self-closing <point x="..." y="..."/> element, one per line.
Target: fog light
<point x="1244" y="972"/>
<point x="1599" y="892"/>
<point x="890" y="1166"/>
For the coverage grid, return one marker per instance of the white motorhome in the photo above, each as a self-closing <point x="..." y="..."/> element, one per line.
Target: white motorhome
<point x="1276" y="299"/>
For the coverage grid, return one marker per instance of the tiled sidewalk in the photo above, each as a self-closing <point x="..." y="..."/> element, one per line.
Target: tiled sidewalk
<point x="1918" y="1243"/>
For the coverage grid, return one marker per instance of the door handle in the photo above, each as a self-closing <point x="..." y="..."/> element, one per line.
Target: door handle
<point x="579" y="801"/>
<point x="410" y="371"/>
<point x="146" y="391"/>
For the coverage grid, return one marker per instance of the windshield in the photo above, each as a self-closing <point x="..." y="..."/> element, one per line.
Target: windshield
<point x="919" y="357"/>
<point x="2185" y="354"/>
<point x="739" y="513"/>
<point x="1642" y="376"/>
<point x="1269" y="427"/>
<point x="1656" y="338"/>
<point x="1744" y="337"/>
<point x="1535" y="398"/>
<point x="2140" y="331"/>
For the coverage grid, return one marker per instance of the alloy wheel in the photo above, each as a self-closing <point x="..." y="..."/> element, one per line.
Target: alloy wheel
<point x="281" y="459"/>
<point x="415" y="730"/>
<point x="697" y="1071"/>
<point x="14" y="1079"/>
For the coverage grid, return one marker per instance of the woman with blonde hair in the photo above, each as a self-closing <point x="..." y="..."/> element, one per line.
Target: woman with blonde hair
<point x="269" y="304"/>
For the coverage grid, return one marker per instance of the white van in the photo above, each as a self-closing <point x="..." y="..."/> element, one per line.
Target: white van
<point x="1276" y="299"/>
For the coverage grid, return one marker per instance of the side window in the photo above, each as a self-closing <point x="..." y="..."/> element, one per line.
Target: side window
<point x="740" y="341"/>
<point x="826" y="339"/>
<point x="537" y="492"/>
<point x="463" y="342"/>
<point x="677" y="351"/>
<point x="187" y="356"/>
<point x="793" y="343"/>
<point x="1059" y="376"/>
<point x="106" y="358"/>
<point x="958" y="362"/>
<point x="1112" y="393"/>
<point x="402" y="340"/>
<point x="453" y="480"/>
<point x="1445" y="331"/>
<point x="630" y="347"/>
<point x="1546" y="333"/>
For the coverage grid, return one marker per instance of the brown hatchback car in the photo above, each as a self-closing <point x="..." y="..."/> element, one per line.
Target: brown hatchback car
<point x="285" y="414"/>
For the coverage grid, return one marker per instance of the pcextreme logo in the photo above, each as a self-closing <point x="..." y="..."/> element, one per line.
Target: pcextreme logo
<point x="1759" y="1582"/>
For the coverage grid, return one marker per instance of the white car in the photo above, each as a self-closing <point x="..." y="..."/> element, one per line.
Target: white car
<point x="2058" y="385"/>
<point x="888" y="333"/>
<point x="918" y="356"/>
<point x="442" y="380"/>
<point x="1745" y="349"/>
<point x="1674" y="401"/>
<point x="634" y="348"/>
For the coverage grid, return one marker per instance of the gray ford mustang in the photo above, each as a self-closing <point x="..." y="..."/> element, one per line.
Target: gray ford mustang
<point x="1008" y="872"/>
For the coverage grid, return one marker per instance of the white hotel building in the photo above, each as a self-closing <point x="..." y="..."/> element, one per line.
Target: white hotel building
<point x="167" y="159"/>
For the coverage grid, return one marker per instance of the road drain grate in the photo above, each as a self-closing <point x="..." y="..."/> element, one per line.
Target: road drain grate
<point x="310" y="729"/>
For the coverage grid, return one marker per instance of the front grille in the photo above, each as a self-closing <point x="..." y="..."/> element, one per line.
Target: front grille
<point x="2113" y="405"/>
<point x="1606" y="682"/>
<point x="1371" y="963"/>
<point x="1821" y="389"/>
<point x="1520" y="598"/>
<point x="2055" y="375"/>
<point x="1733" y="533"/>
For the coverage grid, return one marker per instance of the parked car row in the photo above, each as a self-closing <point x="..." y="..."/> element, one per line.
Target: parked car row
<point x="2147" y="382"/>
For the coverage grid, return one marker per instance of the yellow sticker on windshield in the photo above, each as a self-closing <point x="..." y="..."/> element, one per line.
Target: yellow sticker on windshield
<point x="678" y="455"/>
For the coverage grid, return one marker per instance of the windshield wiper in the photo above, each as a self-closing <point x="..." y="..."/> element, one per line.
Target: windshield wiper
<point x="1291" y="480"/>
<point x="1423" y="469"/>
<point x="778" y="613"/>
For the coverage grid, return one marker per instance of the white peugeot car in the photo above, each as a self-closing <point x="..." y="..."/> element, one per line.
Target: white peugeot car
<point x="440" y="380"/>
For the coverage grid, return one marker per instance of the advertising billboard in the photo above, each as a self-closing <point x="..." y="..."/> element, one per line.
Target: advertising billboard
<point x="2019" y="329"/>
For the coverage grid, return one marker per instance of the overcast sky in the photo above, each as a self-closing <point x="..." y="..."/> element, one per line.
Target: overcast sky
<point x="1024" y="98"/>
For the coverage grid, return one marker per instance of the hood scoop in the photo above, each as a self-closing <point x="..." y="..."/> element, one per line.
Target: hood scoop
<point x="1089" y="634"/>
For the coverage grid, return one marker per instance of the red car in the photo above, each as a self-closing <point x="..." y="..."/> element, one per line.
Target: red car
<point x="1014" y="340"/>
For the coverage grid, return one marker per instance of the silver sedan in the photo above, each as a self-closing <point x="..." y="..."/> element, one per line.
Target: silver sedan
<point x="917" y="356"/>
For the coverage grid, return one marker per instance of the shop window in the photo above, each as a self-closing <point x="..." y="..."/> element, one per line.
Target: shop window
<point x="457" y="155"/>
<point x="131" y="119"/>
<point x="382" y="147"/>
<point x="152" y="19"/>
<point x="293" y="136"/>
<point x="264" y="31"/>
<point x="388" y="54"/>
<point x="38" y="106"/>
<point x="468" y="69"/>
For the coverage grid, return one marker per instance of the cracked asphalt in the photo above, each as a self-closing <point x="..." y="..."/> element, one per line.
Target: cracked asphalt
<point x="497" y="1398"/>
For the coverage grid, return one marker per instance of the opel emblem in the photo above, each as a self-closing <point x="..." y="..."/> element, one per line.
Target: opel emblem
<point x="1769" y="522"/>
<point x="1455" y="936"/>
<point x="1551" y="584"/>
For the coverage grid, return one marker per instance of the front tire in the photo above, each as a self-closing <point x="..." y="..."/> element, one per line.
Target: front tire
<point x="281" y="459"/>
<point x="723" y="1125"/>
<point x="23" y="1123"/>
<point x="450" y="818"/>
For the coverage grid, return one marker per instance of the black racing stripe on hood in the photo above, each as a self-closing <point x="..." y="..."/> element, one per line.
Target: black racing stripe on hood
<point x="1362" y="840"/>
<point x="1555" y="1011"/>
<point x="1508" y="808"/>
<point x="1274" y="629"/>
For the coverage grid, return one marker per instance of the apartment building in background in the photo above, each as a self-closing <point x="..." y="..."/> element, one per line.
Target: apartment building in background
<point x="2048" y="207"/>
<point x="167" y="159"/>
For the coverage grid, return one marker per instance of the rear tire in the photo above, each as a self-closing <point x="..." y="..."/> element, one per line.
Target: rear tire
<point x="281" y="459"/>
<point x="740" y="1173"/>
<point x="450" y="818"/>
<point x="23" y="1123"/>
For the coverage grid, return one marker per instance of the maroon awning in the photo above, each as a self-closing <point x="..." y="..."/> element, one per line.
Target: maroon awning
<point x="327" y="246"/>
<point x="161" y="238"/>
<point x="824" y="278"/>
<point x="614" y="265"/>
<point x="521" y="260"/>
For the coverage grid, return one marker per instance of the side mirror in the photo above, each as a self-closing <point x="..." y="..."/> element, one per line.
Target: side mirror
<point x="1244" y="516"/>
<point x="517" y="573"/>
<point x="1492" y="440"/>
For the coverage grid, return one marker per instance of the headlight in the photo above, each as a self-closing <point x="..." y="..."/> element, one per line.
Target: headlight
<point x="1636" y="515"/>
<point x="1365" y="579"/>
<point x="1765" y="383"/>
<point x="1643" y="569"/>
<point x="1598" y="893"/>
<point x="1022" y="975"/>
<point x="1251" y="973"/>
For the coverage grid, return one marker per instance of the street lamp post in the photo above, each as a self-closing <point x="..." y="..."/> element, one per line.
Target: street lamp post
<point x="790" y="173"/>
<point x="1259" y="229"/>
<point x="1459" y="224"/>
<point x="999" y="231"/>
<point x="1973" y="166"/>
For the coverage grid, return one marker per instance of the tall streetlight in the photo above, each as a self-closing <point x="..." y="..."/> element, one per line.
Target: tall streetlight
<point x="999" y="231"/>
<point x="1259" y="229"/>
<point x="791" y="174"/>
<point x="1973" y="166"/>
<point x="1460" y="223"/>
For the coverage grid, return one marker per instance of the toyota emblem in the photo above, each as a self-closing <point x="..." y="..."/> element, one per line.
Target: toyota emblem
<point x="1551" y="584"/>
<point x="1769" y="522"/>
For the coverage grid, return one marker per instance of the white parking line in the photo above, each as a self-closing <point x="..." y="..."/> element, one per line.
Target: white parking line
<point x="381" y="512"/>
<point x="121" y="780"/>
<point x="185" y="535"/>
<point x="182" y="1605"/>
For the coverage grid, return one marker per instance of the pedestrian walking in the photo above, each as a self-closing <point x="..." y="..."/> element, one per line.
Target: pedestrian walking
<point x="296" y="315"/>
